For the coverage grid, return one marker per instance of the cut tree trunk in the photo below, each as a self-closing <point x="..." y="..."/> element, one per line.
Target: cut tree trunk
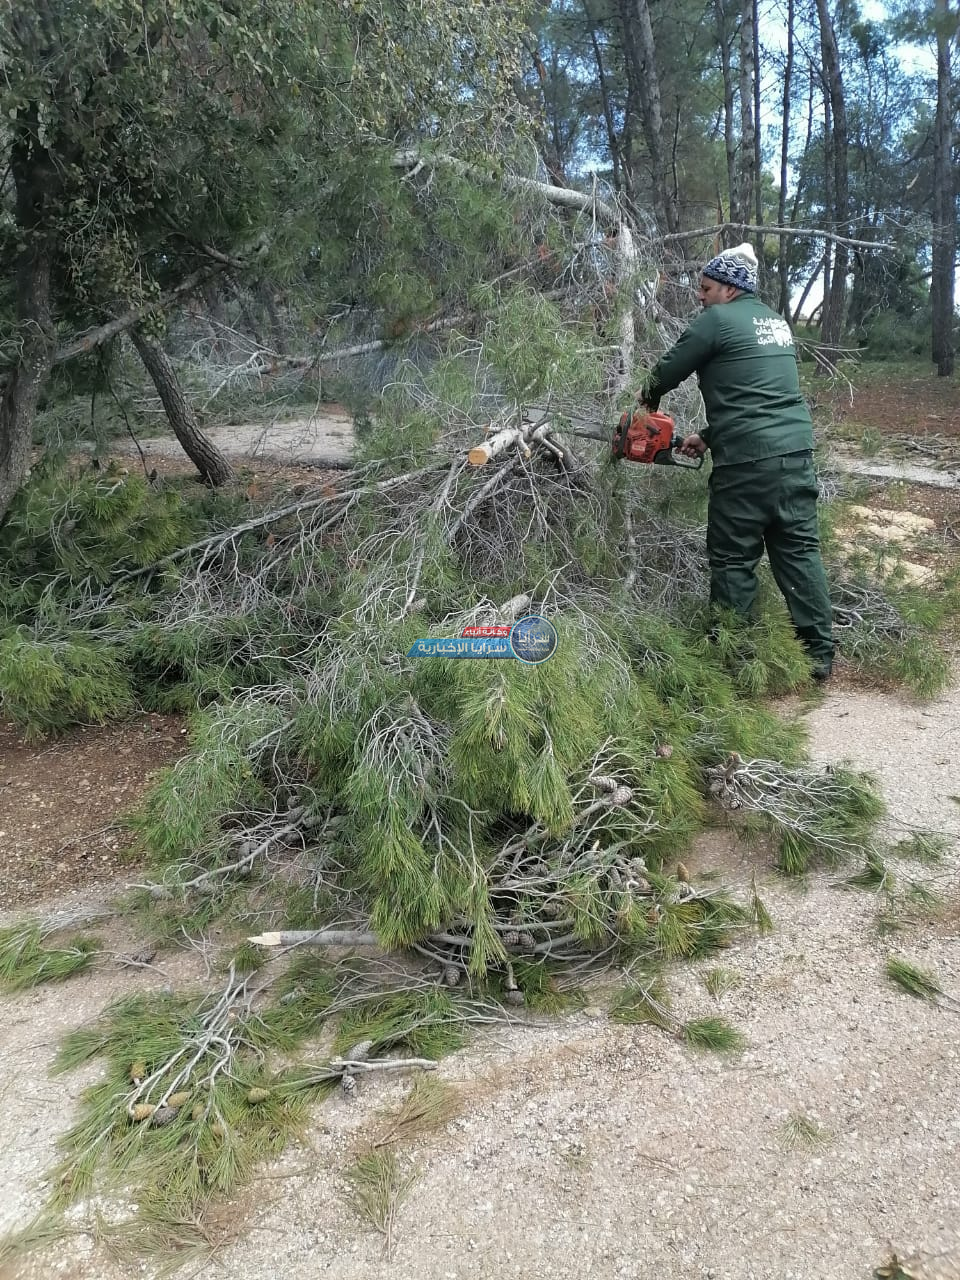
<point x="205" y="456"/>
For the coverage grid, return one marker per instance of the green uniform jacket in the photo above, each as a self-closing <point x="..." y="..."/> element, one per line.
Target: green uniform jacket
<point x="744" y="355"/>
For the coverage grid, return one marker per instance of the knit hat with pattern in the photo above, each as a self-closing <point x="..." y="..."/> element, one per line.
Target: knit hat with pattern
<point x="736" y="266"/>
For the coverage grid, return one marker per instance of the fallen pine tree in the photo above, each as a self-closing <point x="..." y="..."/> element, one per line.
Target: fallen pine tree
<point x="444" y="842"/>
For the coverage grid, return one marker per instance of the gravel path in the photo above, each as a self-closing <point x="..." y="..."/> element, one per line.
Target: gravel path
<point x="592" y="1149"/>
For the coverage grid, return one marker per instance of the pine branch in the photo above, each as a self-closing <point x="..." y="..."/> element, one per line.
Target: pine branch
<point x="809" y="233"/>
<point x="83" y="343"/>
<point x="565" y="197"/>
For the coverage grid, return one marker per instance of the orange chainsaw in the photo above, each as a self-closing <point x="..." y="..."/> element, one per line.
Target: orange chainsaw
<point x="646" y="436"/>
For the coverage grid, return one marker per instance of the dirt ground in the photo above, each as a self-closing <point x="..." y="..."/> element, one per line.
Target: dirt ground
<point x="894" y="402"/>
<point x="62" y="803"/>
<point x="585" y="1147"/>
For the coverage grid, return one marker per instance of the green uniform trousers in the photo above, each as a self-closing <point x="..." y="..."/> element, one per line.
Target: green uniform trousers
<point x="771" y="503"/>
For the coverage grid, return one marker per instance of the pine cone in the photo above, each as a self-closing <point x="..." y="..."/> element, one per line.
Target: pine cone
<point x="143" y="1111"/>
<point x="683" y="875"/>
<point x="163" y="1116"/>
<point x="526" y="940"/>
<point x="360" y="1052"/>
<point x="256" y="1095"/>
<point x="511" y="938"/>
<point x="602" y="782"/>
<point x="622" y="796"/>
<point x="452" y="975"/>
<point x="176" y="1100"/>
<point x="514" y="997"/>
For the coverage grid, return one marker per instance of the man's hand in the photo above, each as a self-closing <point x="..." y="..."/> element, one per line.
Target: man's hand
<point x="694" y="446"/>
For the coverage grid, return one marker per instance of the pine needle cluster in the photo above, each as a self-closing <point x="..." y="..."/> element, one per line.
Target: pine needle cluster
<point x="27" y="961"/>
<point x="645" y="999"/>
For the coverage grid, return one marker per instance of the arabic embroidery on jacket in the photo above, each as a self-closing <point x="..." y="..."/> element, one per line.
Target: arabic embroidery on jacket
<point x="772" y="332"/>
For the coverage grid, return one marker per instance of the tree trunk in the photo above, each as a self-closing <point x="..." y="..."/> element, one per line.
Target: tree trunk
<point x="784" y="164"/>
<point x="642" y="53"/>
<point x="18" y="405"/>
<point x="798" y="313"/>
<point x="834" y="302"/>
<point x="35" y="333"/>
<point x="748" y="173"/>
<point x="757" y="146"/>
<point x="729" y="134"/>
<point x="605" y="102"/>
<point x="943" y="279"/>
<point x="206" y="457"/>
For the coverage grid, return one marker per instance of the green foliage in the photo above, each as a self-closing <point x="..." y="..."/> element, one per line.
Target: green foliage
<point x="183" y="812"/>
<point x="429" y="1104"/>
<point x="801" y="1132"/>
<point x="924" y="847"/>
<point x="25" y="960"/>
<point x="911" y="978"/>
<point x="902" y="646"/>
<point x="544" y="988"/>
<point x="72" y="528"/>
<point x="874" y="875"/>
<point x="761" y="916"/>
<point x="380" y="1186"/>
<point x="46" y="686"/>
<point x="830" y="818"/>
<point x="715" y="1034"/>
<point x="169" y="1123"/>
<point x="643" y="999"/>
<point x="532" y="350"/>
<point x="424" y="1024"/>
<point x="720" y="980"/>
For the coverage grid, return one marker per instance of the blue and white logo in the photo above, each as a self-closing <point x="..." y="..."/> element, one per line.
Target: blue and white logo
<point x="533" y="639"/>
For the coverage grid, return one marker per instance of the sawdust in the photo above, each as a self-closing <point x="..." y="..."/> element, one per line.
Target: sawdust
<point x="892" y="526"/>
<point x="898" y="531"/>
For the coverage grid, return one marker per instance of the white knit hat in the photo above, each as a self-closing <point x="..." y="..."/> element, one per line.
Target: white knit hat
<point x="737" y="266"/>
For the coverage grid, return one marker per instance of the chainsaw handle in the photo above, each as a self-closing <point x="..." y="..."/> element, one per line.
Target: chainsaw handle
<point x="681" y="460"/>
<point x="678" y="459"/>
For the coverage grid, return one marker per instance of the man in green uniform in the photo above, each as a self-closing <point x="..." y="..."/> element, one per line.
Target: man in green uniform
<point x="763" y="491"/>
